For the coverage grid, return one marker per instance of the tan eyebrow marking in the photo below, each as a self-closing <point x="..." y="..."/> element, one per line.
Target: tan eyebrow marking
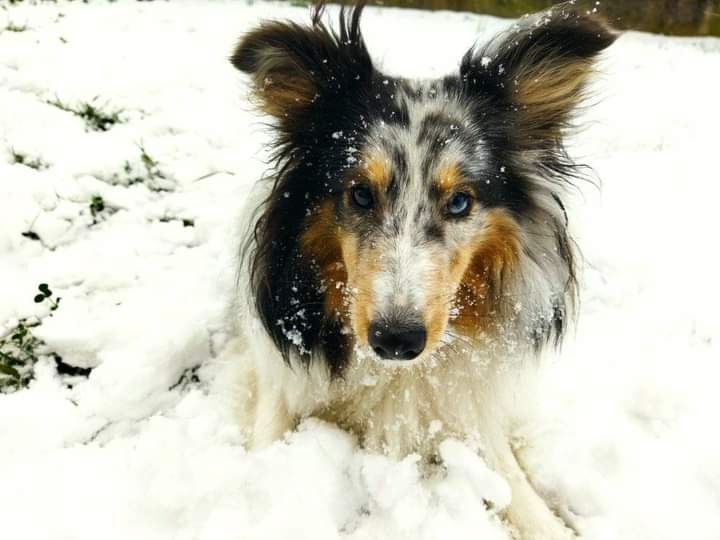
<point x="322" y="240"/>
<point x="377" y="168"/>
<point x="448" y="177"/>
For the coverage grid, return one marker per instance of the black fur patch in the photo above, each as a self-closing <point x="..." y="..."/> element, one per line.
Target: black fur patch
<point x="289" y="295"/>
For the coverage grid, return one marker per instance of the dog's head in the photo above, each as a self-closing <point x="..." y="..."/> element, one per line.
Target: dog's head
<point x="405" y="214"/>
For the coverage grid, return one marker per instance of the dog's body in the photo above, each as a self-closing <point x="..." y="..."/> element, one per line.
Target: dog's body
<point x="411" y="247"/>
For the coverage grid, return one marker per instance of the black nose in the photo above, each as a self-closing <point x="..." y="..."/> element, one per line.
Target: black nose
<point x="397" y="341"/>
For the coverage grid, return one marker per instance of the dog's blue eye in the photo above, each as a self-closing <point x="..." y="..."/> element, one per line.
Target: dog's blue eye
<point x="362" y="196"/>
<point x="459" y="205"/>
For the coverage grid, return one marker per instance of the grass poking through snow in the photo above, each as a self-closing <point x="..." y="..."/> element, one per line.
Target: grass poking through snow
<point x="96" y="117"/>
<point x="147" y="173"/>
<point x="20" y="349"/>
<point x="24" y="159"/>
<point x="99" y="209"/>
<point x="12" y="27"/>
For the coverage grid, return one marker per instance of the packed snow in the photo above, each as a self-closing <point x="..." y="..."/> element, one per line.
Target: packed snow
<point x="133" y="224"/>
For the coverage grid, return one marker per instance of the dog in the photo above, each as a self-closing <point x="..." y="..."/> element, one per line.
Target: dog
<point x="410" y="244"/>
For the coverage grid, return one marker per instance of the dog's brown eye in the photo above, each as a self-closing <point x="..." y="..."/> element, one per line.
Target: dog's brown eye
<point x="459" y="205"/>
<point x="362" y="196"/>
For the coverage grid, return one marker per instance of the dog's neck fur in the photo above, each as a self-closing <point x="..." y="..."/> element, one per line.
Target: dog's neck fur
<point x="403" y="410"/>
<point x="394" y="410"/>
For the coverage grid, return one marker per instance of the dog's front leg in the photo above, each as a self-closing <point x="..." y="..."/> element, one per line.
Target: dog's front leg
<point x="253" y="383"/>
<point x="528" y="514"/>
<point x="272" y="418"/>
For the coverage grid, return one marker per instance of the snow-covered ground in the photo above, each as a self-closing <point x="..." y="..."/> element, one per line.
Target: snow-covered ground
<point x="627" y="439"/>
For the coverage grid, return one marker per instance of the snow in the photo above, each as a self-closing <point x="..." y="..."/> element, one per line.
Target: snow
<point x="625" y="439"/>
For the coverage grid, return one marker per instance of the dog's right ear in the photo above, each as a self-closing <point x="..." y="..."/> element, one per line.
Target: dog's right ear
<point x="295" y="68"/>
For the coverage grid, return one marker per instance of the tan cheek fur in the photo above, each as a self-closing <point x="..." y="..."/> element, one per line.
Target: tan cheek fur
<point x="362" y="268"/>
<point x="322" y="242"/>
<point x="475" y="273"/>
<point x="446" y="277"/>
<point x="484" y="267"/>
<point x="437" y="309"/>
<point x="346" y="273"/>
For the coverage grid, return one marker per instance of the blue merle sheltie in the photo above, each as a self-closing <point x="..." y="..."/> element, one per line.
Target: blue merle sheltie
<point x="410" y="245"/>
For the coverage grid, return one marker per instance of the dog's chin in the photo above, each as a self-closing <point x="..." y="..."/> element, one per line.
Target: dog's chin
<point x="389" y="363"/>
<point x="427" y="357"/>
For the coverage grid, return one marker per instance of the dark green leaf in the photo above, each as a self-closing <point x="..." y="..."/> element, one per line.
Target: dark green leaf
<point x="7" y="370"/>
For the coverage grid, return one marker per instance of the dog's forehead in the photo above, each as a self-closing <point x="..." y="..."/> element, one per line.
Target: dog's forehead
<point x="436" y="132"/>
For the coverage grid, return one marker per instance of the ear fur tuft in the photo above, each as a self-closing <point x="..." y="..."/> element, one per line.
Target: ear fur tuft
<point x="539" y="70"/>
<point x="294" y="67"/>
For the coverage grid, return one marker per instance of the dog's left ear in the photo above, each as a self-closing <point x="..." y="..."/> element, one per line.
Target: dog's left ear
<point x="538" y="71"/>
<point x="296" y="68"/>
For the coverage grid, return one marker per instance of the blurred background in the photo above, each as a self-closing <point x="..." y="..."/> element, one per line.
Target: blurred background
<point x="672" y="17"/>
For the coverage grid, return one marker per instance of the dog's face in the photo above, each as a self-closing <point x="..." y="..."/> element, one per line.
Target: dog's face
<point x="423" y="225"/>
<point x="406" y="214"/>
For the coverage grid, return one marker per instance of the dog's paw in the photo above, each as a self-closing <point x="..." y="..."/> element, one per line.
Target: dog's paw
<point x="533" y="520"/>
<point x="550" y="528"/>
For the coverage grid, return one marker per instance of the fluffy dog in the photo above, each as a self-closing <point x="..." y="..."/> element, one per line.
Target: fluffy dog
<point x="411" y="241"/>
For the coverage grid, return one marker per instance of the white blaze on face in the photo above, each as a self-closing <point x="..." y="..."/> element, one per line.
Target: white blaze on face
<point x="406" y="267"/>
<point x="409" y="262"/>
